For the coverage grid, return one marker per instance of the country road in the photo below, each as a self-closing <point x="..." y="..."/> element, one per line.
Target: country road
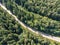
<point x="37" y="32"/>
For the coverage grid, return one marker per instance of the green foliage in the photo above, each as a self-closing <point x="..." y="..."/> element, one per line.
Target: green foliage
<point x="49" y="8"/>
<point x="36" y="21"/>
<point x="38" y="14"/>
<point x="11" y="33"/>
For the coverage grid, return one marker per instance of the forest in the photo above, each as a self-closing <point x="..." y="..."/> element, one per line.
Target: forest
<point x="12" y="33"/>
<point x="42" y="15"/>
<point x="45" y="19"/>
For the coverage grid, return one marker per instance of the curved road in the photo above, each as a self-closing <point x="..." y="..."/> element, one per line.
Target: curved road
<point x="37" y="32"/>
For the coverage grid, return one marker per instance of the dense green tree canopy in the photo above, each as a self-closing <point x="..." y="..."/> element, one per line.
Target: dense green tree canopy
<point x="34" y="20"/>
<point x="42" y="15"/>
<point x="12" y="33"/>
<point x="49" y="8"/>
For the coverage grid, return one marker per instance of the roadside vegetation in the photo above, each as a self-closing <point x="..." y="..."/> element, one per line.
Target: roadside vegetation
<point x="34" y="20"/>
<point x="12" y="33"/>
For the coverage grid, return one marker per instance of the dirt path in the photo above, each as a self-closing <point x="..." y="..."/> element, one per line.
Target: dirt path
<point x="37" y="32"/>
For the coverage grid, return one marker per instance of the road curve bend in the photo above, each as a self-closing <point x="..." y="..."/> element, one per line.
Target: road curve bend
<point x="37" y="32"/>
